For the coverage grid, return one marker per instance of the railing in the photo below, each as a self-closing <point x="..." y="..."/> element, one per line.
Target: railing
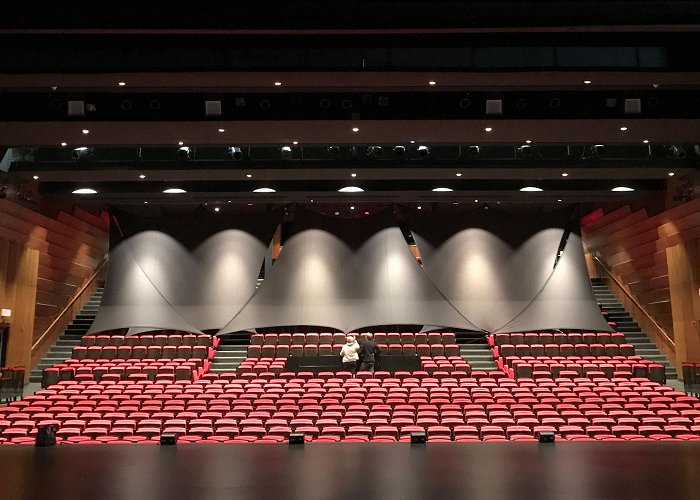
<point x="655" y="329"/>
<point x="68" y="308"/>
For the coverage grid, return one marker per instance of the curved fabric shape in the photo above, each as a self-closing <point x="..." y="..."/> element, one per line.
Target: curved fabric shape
<point x="188" y="273"/>
<point x="491" y="266"/>
<point x="566" y="300"/>
<point x="346" y="275"/>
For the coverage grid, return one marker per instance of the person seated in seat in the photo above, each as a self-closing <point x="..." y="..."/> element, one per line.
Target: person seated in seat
<point x="368" y="352"/>
<point x="349" y="354"/>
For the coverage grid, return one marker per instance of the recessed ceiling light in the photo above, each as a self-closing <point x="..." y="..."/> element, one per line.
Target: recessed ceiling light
<point x="351" y="189"/>
<point x="277" y="84"/>
<point x="432" y="82"/>
<point x="455" y="203"/>
<point x="85" y="191"/>
<point x="528" y="141"/>
<point x="564" y="174"/>
<point x="174" y="191"/>
<point x="142" y="176"/>
<point x="180" y="143"/>
<point x="229" y="201"/>
<point x="217" y="209"/>
<point x="250" y="204"/>
<point x="264" y="190"/>
<point x="249" y="175"/>
<point x="353" y="174"/>
<point x="355" y="129"/>
<point x="36" y="177"/>
<point x="352" y="207"/>
<point x="222" y="130"/>
<point x="336" y="213"/>
<point x="145" y="203"/>
<point x="121" y="84"/>
<point x="530" y="189"/>
<point x="587" y="82"/>
<point x="622" y="189"/>
<point x="295" y="142"/>
<point x="559" y="199"/>
<point x="64" y="144"/>
<point x="623" y="129"/>
<point x="459" y="174"/>
<point x="670" y="174"/>
<point x="476" y="201"/>
<point x="412" y="142"/>
<point x="86" y="131"/>
<point x="488" y="129"/>
<point x="646" y="141"/>
<point x="442" y="190"/>
<point x="419" y="207"/>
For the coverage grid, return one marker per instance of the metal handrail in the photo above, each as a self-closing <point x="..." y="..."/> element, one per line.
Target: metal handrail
<point x="629" y="295"/>
<point x="70" y="304"/>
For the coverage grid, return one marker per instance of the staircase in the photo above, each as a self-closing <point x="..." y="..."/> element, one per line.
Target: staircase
<point x="232" y="350"/>
<point x="475" y="350"/>
<point x="643" y="345"/>
<point x="63" y="347"/>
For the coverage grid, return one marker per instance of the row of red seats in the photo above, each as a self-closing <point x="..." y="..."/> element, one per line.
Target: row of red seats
<point x="269" y="350"/>
<point x="449" y="364"/>
<point x="556" y="338"/>
<point x="142" y="351"/>
<point x="506" y="350"/>
<point x="190" y="339"/>
<point x="339" y="338"/>
<point x="251" y="417"/>
<point x="132" y="369"/>
<point x="547" y="368"/>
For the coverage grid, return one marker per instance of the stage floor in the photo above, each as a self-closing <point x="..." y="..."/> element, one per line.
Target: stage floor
<point x="352" y="470"/>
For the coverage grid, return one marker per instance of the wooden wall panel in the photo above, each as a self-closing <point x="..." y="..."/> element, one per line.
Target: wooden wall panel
<point x="684" y="279"/>
<point x="638" y="251"/>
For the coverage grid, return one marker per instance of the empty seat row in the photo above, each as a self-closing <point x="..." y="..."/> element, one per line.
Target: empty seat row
<point x="141" y="352"/>
<point x="556" y="338"/>
<point x="506" y="350"/>
<point x="339" y="338"/>
<point x="270" y="350"/>
<point x="189" y="339"/>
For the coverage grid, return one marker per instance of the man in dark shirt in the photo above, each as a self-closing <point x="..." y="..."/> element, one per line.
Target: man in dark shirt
<point x="368" y="350"/>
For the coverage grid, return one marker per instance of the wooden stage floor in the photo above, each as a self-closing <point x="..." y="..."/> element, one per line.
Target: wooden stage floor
<point x="570" y="470"/>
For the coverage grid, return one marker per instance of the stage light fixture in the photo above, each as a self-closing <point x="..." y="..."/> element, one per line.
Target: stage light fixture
<point x="184" y="153"/>
<point x="599" y="149"/>
<point x="474" y="151"/>
<point x="346" y="104"/>
<point x="399" y="151"/>
<point x="633" y="106"/>
<point x="423" y="151"/>
<point x="286" y="152"/>
<point x="81" y="153"/>
<point x="555" y="103"/>
<point x="375" y="151"/>
<point x="383" y="101"/>
<point x="464" y="103"/>
<point x="324" y="103"/>
<point x="333" y="151"/>
<point x="235" y="152"/>
<point x="677" y="152"/>
<point x="525" y="151"/>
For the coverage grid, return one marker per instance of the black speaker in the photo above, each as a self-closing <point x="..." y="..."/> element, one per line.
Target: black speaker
<point x="418" y="438"/>
<point x="545" y="437"/>
<point x="168" y="439"/>
<point x="46" y="435"/>
<point x="296" y="438"/>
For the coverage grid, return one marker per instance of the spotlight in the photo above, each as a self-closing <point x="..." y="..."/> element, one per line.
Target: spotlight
<point x="599" y="149"/>
<point x="324" y="103"/>
<point x="375" y="151"/>
<point x="81" y="153"/>
<point x="677" y="152"/>
<point x="126" y="105"/>
<point x="235" y="152"/>
<point x="555" y="103"/>
<point x="333" y="150"/>
<point x="154" y="104"/>
<point x="400" y="151"/>
<point x="464" y="103"/>
<point x="473" y="151"/>
<point x="184" y="153"/>
<point x="286" y="153"/>
<point x="383" y="101"/>
<point x="525" y="151"/>
<point x="265" y="104"/>
<point x="423" y="151"/>
<point x="346" y="104"/>
<point x="521" y="103"/>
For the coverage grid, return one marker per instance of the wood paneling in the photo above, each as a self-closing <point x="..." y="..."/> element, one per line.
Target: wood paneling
<point x="637" y="249"/>
<point x="684" y="281"/>
<point x="68" y="251"/>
